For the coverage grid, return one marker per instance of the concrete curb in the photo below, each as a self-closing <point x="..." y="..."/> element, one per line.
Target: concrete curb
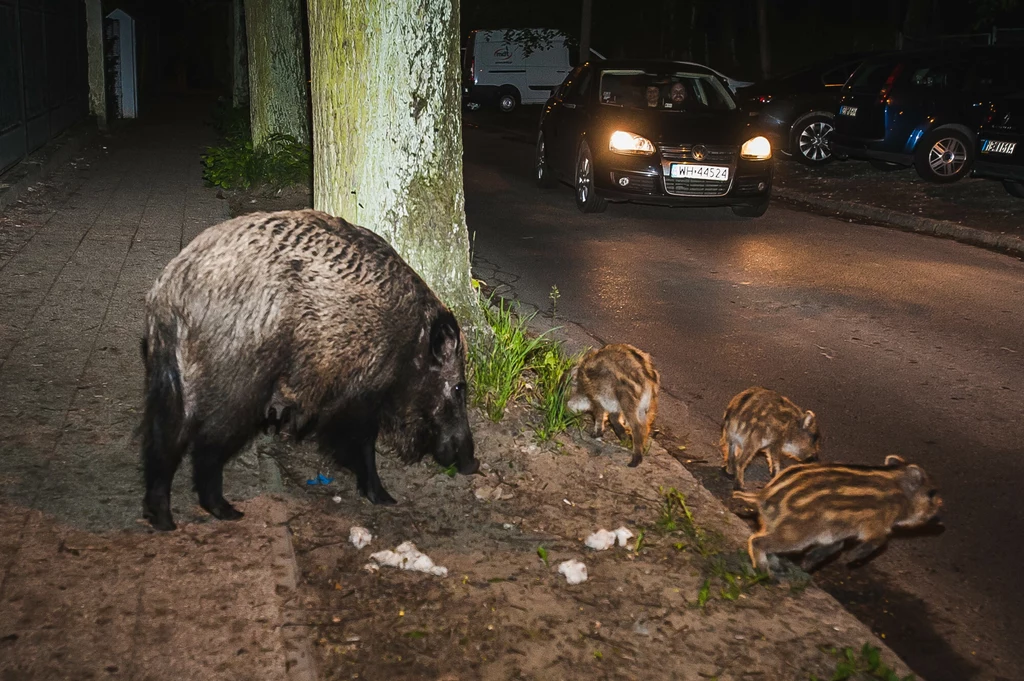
<point x="1007" y="243"/>
<point x="44" y="161"/>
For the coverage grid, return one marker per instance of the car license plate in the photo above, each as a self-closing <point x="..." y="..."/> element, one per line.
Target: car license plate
<point x="845" y="110"/>
<point x="997" y="147"/>
<point x="689" y="170"/>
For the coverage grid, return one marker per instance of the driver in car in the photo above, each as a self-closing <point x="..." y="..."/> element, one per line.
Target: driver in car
<point x="677" y="96"/>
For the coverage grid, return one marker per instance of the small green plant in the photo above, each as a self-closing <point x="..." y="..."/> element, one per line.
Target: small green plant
<point x="704" y="594"/>
<point x="496" y="369"/>
<point x="639" y="540"/>
<point x="552" y="369"/>
<point x="451" y="470"/>
<point x="598" y="655"/>
<point x="281" y="161"/>
<point x="543" y="554"/>
<point x="554" y="295"/>
<point x="864" y="664"/>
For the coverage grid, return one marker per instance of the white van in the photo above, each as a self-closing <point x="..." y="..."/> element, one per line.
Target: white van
<point x="498" y="72"/>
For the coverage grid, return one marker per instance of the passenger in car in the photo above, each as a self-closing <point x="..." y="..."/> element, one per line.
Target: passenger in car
<point x="677" y="96"/>
<point x="653" y="96"/>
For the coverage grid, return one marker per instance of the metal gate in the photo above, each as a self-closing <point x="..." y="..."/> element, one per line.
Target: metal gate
<point x="44" y="81"/>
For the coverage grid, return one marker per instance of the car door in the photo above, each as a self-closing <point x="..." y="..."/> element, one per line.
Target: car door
<point x="562" y="127"/>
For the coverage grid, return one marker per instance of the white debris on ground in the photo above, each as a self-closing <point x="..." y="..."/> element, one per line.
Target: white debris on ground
<point x="499" y="492"/>
<point x="359" y="536"/>
<point x="575" y="572"/>
<point x="603" y="539"/>
<point x="407" y="557"/>
<point x="623" y="535"/>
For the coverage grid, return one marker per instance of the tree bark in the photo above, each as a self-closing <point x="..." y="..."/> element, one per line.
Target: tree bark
<point x="278" y="86"/>
<point x="387" y="138"/>
<point x="239" y="56"/>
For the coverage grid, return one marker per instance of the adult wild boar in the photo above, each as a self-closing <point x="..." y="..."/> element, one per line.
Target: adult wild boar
<point x="304" y="309"/>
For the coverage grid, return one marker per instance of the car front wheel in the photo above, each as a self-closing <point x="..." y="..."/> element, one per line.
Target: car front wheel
<point x="542" y="171"/>
<point x="944" y="156"/>
<point x="1014" y="188"/>
<point x="508" y="99"/>
<point x="587" y="199"/>
<point x="812" y="140"/>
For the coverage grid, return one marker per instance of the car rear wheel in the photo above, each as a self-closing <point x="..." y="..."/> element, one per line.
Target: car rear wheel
<point x="1014" y="188"/>
<point x="751" y="211"/>
<point x="944" y="155"/>
<point x="812" y="140"/>
<point x="508" y="99"/>
<point x="587" y="199"/>
<point x="543" y="172"/>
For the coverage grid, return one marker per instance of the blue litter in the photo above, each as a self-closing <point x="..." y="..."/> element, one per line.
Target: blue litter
<point x="320" y="479"/>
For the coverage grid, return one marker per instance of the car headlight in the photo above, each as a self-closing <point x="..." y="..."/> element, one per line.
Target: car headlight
<point x="758" y="149"/>
<point x="623" y="142"/>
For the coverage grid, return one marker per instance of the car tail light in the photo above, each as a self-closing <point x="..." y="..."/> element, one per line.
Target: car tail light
<point x="764" y="99"/>
<point x="884" y="92"/>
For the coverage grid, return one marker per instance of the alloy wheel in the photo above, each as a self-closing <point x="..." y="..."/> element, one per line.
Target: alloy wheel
<point x="584" y="179"/>
<point x="947" y="157"/>
<point x="814" y="141"/>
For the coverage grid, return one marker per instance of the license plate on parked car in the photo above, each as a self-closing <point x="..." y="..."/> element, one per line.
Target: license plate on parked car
<point x="689" y="170"/>
<point x="845" y="110"/>
<point x="997" y="147"/>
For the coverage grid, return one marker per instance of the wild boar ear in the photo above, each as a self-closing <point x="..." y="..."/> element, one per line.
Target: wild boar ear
<point x="445" y="337"/>
<point x="913" y="478"/>
<point x="894" y="460"/>
<point x="808" y="421"/>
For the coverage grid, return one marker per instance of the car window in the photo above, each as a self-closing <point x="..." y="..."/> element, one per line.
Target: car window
<point x="995" y="75"/>
<point x="871" y="75"/>
<point x="672" y="91"/>
<point x="838" y="76"/>
<point x="938" y="77"/>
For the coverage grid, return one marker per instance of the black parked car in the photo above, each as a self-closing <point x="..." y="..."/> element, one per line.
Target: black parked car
<point x="1001" y="144"/>
<point x="660" y="132"/>
<point x="797" y="109"/>
<point x="922" y="108"/>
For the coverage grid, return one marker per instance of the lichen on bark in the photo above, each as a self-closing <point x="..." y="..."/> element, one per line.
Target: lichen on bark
<point x="387" y="142"/>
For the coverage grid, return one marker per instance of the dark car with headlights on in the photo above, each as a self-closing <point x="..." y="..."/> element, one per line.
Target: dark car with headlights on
<point x="1001" y="144"/>
<point x="657" y="132"/>
<point x="797" y="109"/>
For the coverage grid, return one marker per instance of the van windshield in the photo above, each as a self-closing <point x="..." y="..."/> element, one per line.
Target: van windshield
<point x="673" y="91"/>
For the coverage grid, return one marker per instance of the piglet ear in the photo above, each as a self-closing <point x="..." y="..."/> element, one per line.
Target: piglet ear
<point x="913" y="478"/>
<point x="808" y="421"/>
<point x="445" y="337"/>
<point x="894" y="460"/>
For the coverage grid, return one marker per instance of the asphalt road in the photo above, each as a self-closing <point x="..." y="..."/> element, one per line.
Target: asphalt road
<point x="901" y="343"/>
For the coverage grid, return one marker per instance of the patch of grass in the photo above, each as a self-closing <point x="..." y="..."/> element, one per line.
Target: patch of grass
<point x="496" y="369"/>
<point x="450" y="470"/>
<point x="863" y="664"/>
<point x="281" y="162"/>
<point x="731" y="572"/>
<point x="552" y="370"/>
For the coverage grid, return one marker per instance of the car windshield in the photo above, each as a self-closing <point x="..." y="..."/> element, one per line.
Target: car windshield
<point x="672" y="91"/>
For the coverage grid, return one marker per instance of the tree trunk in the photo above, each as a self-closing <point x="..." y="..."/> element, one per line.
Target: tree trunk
<point x="239" y="56"/>
<point x="762" y="32"/>
<point x="585" y="25"/>
<point x="278" y="86"/>
<point x="387" y="138"/>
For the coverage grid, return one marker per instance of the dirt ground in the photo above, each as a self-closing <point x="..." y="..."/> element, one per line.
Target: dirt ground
<point x="502" y="613"/>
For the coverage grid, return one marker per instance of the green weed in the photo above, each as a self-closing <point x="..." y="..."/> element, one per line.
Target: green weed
<point x="543" y="554"/>
<point x="731" y="572"/>
<point x="552" y="370"/>
<point x="863" y="664"/>
<point x="237" y="165"/>
<point x="497" y="368"/>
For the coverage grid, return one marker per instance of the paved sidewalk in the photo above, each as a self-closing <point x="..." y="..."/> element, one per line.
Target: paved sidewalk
<point x="86" y="590"/>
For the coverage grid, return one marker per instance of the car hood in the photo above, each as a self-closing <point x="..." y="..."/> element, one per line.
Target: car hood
<point x="674" y="128"/>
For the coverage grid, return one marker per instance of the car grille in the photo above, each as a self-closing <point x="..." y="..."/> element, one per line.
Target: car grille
<point x="687" y="186"/>
<point x="714" y="154"/>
